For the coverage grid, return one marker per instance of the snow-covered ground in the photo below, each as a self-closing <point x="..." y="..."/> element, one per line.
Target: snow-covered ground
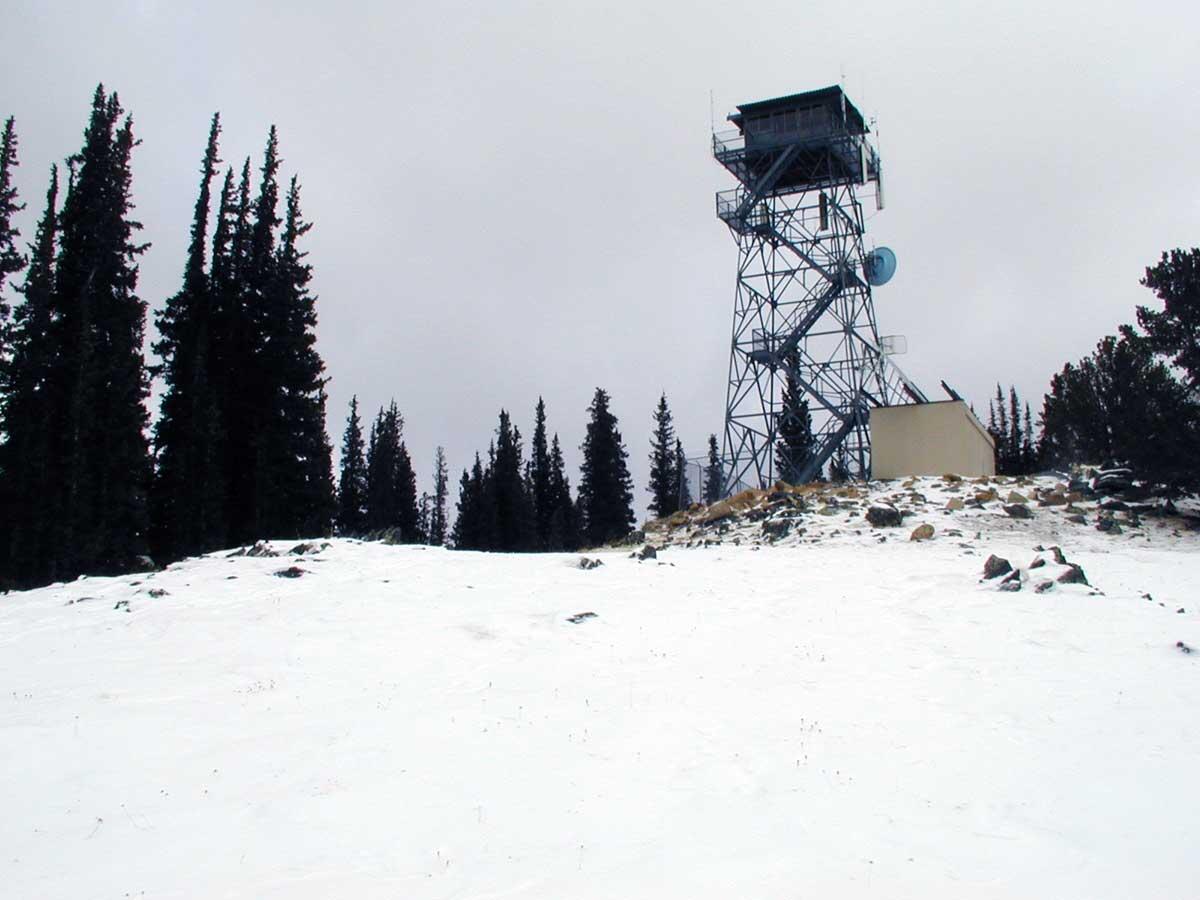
<point x="828" y="716"/>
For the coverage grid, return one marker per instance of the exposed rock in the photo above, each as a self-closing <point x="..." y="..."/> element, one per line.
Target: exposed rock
<point x="1019" y="511"/>
<point x="142" y="564"/>
<point x="311" y="547"/>
<point x="1109" y="525"/>
<point x="921" y="533"/>
<point x="955" y="503"/>
<point x="290" y="572"/>
<point x="157" y="592"/>
<point x="776" y="529"/>
<point x="1010" y="585"/>
<point x="884" y="516"/>
<point x="995" y="566"/>
<point x="1058" y="555"/>
<point x="1037" y="563"/>
<point x="986" y="496"/>
<point x="1044" y="586"/>
<point x="261" y="549"/>
<point x="580" y="618"/>
<point x="587" y="564"/>
<point x="951" y="478"/>
<point x="1014" y="575"/>
<point x="1014" y="497"/>
<point x="1078" y="519"/>
<point x="647" y="552"/>
<point x="1073" y="575"/>
<point x="1183" y="647"/>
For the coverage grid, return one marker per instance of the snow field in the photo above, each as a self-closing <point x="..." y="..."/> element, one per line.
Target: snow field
<point x="850" y="719"/>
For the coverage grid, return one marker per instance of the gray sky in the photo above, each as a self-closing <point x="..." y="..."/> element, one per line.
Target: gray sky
<point x="515" y="198"/>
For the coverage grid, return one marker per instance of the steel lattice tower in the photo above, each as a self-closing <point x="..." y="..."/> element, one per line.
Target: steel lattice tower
<point x="803" y="305"/>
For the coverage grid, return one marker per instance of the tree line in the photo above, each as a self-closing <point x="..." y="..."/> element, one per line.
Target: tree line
<point x="239" y="450"/>
<point x="1134" y="400"/>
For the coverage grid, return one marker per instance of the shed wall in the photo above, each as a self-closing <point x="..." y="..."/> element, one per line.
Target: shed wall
<point x="929" y="439"/>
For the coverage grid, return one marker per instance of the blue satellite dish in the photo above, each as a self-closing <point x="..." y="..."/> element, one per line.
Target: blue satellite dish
<point x="880" y="266"/>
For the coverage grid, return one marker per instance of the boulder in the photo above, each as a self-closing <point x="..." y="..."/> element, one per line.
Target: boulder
<point x="588" y="564"/>
<point x="1014" y="497"/>
<point x="1073" y="575"/>
<point x="776" y="529"/>
<point x="1018" y="511"/>
<point x="884" y="516"/>
<point x="995" y="566"/>
<point x="1010" y="585"/>
<point x="290" y="572"/>
<point x="921" y="533"/>
<point x="986" y="496"/>
<point x="955" y="503"/>
<point x="647" y="552"/>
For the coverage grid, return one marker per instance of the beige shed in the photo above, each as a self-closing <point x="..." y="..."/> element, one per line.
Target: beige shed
<point x="929" y="439"/>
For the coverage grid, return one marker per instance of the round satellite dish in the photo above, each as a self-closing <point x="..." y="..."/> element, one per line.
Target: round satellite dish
<point x="880" y="266"/>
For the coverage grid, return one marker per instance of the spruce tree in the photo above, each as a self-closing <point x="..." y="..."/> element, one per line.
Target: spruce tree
<point x="391" y="482"/>
<point x="11" y="260"/>
<point x="564" y="519"/>
<point x="239" y="383"/>
<point x="605" y="488"/>
<point x="299" y="447"/>
<point x="684" y="492"/>
<point x="540" y="479"/>
<point x="95" y="400"/>
<point x="470" y="527"/>
<point x="187" y="497"/>
<point x="795" y="443"/>
<point x="437" y="513"/>
<point x="1028" y="455"/>
<point x="1174" y="331"/>
<point x="663" y="486"/>
<point x="352" y="481"/>
<point x="714" y="473"/>
<point x="513" y="510"/>
<point x="26" y="485"/>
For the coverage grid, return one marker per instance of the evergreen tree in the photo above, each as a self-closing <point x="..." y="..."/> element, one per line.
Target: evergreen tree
<point x="352" y="482"/>
<point x="605" y="488"/>
<point x="1174" y="331"/>
<point x="1122" y="405"/>
<point x="11" y="261"/>
<point x="238" y="379"/>
<point x="1028" y="454"/>
<point x="187" y="497"/>
<point x="714" y="473"/>
<point x="25" y="474"/>
<point x="513" y="511"/>
<point x="424" y="514"/>
<point x="470" y="528"/>
<point x="664" y="477"/>
<point x="684" y="493"/>
<point x="299" y="444"/>
<point x="99" y="463"/>
<point x="391" y="482"/>
<point x="1014" y="464"/>
<point x="795" y="444"/>
<point x="437" y="513"/>
<point x="540" y="479"/>
<point x="564" y="531"/>
<point x="999" y="428"/>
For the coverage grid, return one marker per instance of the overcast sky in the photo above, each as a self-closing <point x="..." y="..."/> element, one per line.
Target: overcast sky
<point x="516" y="198"/>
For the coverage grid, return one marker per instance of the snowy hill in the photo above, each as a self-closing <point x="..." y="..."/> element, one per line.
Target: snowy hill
<point x="807" y="712"/>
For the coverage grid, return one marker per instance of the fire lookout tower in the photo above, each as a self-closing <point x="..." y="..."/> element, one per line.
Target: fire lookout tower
<point x="803" y="310"/>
